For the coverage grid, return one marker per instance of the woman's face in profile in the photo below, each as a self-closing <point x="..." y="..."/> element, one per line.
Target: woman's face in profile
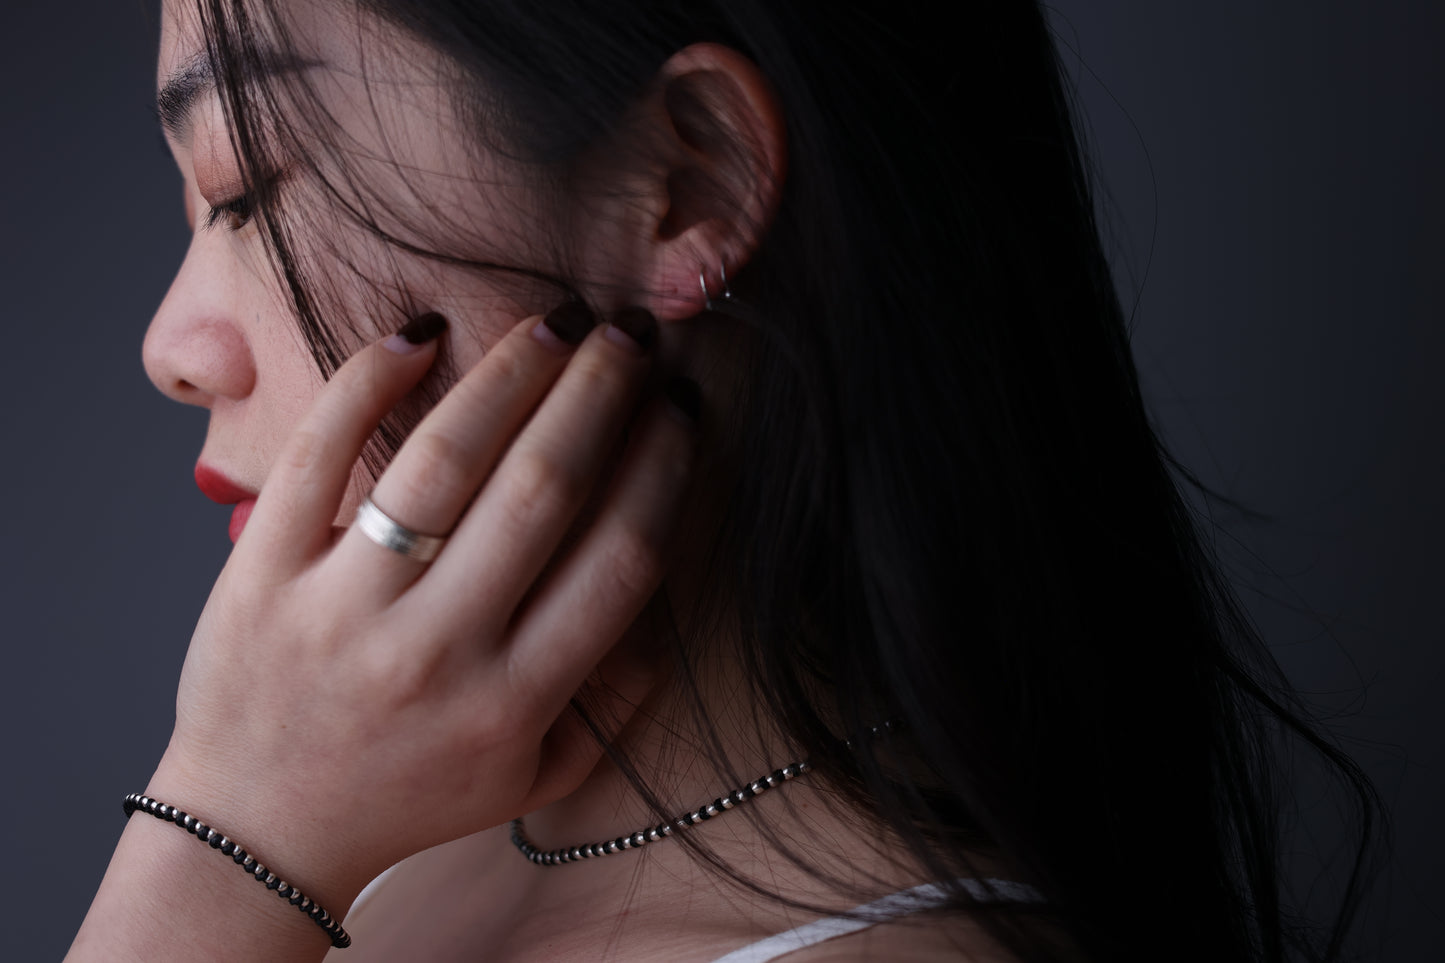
<point x="225" y="338"/>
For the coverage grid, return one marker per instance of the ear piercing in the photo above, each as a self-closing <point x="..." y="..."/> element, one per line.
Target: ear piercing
<point x="707" y="297"/>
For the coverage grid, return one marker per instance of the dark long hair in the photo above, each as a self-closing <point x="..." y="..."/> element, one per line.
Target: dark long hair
<point x="951" y="510"/>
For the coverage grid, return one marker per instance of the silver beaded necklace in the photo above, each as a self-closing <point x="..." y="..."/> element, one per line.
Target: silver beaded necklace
<point x="642" y="837"/>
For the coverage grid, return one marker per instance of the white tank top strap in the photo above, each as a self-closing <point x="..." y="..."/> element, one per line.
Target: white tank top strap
<point x="891" y="907"/>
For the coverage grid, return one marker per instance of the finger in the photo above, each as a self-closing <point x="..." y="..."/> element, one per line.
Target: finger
<point x="438" y="470"/>
<point x="605" y="704"/>
<point x="518" y="520"/>
<point x="298" y="504"/>
<point x="602" y="584"/>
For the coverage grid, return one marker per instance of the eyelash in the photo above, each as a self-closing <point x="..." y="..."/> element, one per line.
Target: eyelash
<point x="236" y="212"/>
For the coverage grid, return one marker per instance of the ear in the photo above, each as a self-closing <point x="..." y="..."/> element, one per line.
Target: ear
<point x="688" y="187"/>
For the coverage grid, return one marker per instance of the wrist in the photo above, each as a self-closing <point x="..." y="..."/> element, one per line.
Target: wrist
<point x="167" y="897"/>
<point x="273" y="824"/>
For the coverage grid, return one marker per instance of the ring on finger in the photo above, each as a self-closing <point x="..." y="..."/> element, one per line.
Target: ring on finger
<point x="387" y="532"/>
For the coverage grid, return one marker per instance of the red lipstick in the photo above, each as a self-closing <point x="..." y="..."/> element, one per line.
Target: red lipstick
<point x="221" y="490"/>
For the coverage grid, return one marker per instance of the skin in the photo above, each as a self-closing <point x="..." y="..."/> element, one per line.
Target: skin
<point x="571" y="492"/>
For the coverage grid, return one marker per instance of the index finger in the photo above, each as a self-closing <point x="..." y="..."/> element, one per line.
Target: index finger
<point x="303" y="492"/>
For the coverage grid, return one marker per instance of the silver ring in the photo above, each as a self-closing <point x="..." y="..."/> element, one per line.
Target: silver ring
<point x="382" y="529"/>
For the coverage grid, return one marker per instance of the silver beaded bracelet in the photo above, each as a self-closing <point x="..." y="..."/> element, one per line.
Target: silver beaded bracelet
<point x="209" y="834"/>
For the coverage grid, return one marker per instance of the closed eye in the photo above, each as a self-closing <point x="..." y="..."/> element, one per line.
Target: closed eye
<point x="234" y="214"/>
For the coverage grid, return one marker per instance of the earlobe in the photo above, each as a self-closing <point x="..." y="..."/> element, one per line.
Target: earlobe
<point x="712" y="148"/>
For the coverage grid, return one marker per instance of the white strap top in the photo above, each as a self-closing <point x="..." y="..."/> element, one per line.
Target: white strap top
<point x="891" y="907"/>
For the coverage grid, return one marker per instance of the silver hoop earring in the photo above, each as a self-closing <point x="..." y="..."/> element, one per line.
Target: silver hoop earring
<point x="707" y="298"/>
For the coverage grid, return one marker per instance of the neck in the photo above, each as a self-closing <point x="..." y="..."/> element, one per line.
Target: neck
<point x="686" y="747"/>
<point x="691" y="743"/>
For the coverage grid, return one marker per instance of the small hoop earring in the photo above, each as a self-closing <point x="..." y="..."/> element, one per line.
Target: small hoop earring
<point x="707" y="298"/>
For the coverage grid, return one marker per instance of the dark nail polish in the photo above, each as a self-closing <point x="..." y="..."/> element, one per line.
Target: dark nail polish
<point x="570" y="321"/>
<point x="685" y="397"/>
<point x="424" y="328"/>
<point x="638" y="324"/>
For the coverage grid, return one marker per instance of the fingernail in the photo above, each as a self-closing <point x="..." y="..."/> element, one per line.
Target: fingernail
<point x="684" y="395"/>
<point x="416" y="332"/>
<point x="568" y="322"/>
<point x="633" y="328"/>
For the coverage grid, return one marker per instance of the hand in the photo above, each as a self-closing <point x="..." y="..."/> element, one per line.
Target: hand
<point x="343" y="706"/>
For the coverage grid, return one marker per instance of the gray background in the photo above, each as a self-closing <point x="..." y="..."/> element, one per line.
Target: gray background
<point x="1288" y="327"/>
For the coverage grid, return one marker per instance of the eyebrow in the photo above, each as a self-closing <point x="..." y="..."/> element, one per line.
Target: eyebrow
<point x="194" y="79"/>
<point x="178" y="96"/>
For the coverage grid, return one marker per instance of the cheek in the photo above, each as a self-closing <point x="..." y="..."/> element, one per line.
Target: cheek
<point x="480" y="307"/>
<point x="288" y="379"/>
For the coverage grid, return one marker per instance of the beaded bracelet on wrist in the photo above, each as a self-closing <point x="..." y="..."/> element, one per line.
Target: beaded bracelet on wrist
<point x="228" y="847"/>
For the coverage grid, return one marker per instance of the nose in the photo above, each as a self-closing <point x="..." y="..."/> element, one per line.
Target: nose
<point x="196" y="349"/>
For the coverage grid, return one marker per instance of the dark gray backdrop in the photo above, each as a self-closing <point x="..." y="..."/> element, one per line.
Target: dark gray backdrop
<point x="1289" y="332"/>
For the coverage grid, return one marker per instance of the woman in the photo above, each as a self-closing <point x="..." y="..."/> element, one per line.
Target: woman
<point x="852" y="486"/>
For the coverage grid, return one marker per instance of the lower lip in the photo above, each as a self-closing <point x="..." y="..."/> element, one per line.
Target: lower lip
<point x="239" y="516"/>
